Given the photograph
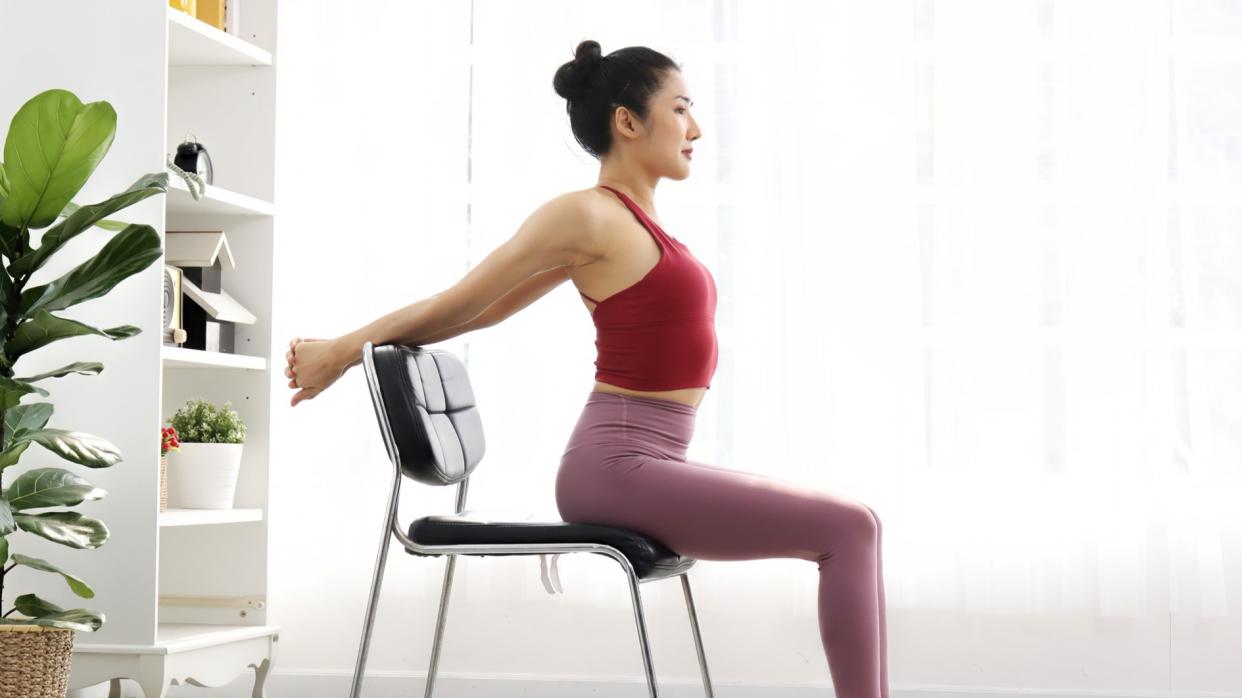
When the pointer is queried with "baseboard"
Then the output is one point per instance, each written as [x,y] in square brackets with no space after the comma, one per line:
[297,684]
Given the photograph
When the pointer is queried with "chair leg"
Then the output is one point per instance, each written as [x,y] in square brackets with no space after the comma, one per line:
[698,638]
[637,599]
[435,645]
[368,624]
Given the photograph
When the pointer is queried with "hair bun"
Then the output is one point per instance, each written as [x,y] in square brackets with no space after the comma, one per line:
[588,53]
[573,78]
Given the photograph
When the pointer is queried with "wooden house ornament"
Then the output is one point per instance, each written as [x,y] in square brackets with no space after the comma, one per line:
[211,314]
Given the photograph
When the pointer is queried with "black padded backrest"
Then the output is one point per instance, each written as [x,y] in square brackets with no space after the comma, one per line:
[431,411]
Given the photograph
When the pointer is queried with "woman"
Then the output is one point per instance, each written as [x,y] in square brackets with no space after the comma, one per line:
[653,305]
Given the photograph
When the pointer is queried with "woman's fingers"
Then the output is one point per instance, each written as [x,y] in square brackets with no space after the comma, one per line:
[291,372]
[304,394]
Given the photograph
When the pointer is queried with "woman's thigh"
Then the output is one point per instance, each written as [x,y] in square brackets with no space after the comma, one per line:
[712,513]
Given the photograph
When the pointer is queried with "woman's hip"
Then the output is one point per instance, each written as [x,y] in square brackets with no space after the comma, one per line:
[613,425]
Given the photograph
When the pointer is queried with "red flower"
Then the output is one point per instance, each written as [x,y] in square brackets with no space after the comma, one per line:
[168,440]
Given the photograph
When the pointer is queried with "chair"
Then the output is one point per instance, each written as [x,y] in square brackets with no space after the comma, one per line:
[434,435]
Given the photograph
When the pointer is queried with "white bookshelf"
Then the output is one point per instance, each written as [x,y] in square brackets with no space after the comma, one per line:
[177,653]
[191,42]
[216,201]
[203,517]
[180,357]
[174,638]
[208,599]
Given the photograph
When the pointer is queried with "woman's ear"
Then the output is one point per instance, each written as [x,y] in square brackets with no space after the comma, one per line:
[627,124]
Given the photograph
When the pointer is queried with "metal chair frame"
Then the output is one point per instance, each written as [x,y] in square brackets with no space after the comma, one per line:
[392,527]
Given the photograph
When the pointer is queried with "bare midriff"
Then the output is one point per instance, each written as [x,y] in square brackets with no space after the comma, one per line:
[690,396]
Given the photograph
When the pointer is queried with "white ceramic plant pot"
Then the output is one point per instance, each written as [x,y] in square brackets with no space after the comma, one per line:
[203,476]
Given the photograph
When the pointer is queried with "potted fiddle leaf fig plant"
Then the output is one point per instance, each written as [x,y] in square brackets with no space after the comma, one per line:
[53,145]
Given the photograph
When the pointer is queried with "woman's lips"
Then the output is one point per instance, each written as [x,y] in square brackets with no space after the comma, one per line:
[687,154]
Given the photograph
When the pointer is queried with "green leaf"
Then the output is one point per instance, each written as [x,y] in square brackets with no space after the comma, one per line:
[8,238]
[8,234]
[78,586]
[114,226]
[126,254]
[11,391]
[4,551]
[83,449]
[50,487]
[12,454]
[83,367]
[54,144]
[28,417]
[45,328]
[32,605]
[7,294]
[69,528]
[84,217]
[7,524]
[81,619]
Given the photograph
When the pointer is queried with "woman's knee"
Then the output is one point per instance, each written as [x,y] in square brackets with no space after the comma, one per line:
[857,521]
[879,527]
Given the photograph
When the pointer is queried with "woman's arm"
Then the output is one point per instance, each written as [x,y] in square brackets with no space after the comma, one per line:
[521,296]
[478,323]
[393,328]
[549,239]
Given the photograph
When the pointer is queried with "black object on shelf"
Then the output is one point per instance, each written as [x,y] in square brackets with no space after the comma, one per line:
[192,157]
[202,331]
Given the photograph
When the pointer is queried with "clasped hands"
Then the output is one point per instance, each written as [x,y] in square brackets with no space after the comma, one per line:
[312,365]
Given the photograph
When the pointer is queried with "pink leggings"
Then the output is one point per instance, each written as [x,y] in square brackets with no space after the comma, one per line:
[625,465]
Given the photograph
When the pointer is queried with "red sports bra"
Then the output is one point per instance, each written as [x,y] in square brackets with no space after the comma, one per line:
[660,333]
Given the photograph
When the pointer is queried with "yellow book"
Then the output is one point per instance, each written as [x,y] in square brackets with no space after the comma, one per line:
[212,12]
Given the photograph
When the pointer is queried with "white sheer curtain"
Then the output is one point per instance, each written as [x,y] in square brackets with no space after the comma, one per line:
[979,267]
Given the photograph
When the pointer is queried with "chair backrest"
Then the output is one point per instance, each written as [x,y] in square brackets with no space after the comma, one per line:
[427,412]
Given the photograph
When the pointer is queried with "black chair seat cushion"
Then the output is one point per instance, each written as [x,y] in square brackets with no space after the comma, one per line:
[650,558]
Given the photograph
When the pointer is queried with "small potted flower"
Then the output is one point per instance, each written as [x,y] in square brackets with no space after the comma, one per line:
[168,442]
[203,474]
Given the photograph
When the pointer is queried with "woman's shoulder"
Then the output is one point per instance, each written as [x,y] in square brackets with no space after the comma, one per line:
[593,218]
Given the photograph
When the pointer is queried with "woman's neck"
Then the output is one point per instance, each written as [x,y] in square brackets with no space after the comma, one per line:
[644,196]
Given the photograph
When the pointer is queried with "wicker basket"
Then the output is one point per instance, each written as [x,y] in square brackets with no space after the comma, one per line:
[34,661]
[163,482]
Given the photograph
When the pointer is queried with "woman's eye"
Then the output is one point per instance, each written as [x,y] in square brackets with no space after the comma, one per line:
[680,109]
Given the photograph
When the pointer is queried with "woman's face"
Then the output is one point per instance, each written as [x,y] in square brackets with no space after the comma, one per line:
[671,129]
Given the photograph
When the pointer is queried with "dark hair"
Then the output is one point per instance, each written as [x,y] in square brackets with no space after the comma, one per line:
[595,86]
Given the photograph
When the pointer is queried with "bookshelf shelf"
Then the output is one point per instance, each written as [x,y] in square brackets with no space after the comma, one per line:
[180,357]
[194,42]
[216,201]
[201,517]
